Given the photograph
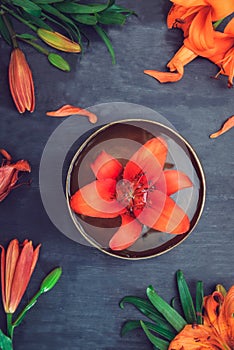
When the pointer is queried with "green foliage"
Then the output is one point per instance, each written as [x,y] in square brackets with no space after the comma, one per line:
[73,16]
[165,322]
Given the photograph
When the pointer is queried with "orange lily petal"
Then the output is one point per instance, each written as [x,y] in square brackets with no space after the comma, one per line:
[149,159]
[211,306]
[105,166]
[127,234]
[97,200]
[182,57]
[226,126]
[3,273]
[220,8]
[21,276]
[163,214]
[196,337]
[12,256]
[67,110]
[165,77]
[176,180]
[22,165]
[201,32]
[226,319]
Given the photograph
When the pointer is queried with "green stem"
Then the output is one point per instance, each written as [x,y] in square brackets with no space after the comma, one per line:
[27,307]
[36,46]
[31,26]
[10,327]
[10,30]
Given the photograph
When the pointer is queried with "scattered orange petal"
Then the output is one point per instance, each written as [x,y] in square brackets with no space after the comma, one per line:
[226,126]
[68,110]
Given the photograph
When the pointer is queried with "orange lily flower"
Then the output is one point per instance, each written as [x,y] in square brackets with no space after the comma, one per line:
[21,82]
[17,266]
[217,332]
[196,18]
[139,193]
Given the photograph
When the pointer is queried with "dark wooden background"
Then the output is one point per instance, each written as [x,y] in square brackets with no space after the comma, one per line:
[82,311]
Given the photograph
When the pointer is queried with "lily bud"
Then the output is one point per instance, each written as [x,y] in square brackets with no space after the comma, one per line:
[50,280]
[58,41]
[58,61]
[21,82]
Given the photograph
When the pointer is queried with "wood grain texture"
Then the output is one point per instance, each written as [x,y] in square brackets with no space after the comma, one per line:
[82,311]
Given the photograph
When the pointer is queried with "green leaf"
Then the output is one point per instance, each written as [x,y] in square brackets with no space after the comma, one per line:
[111,17]
[27,36]
[4,31]
[103,35]
[73,8]
[120,9]
[36,21]
[85,19]
[158,342]
[28,6]
[185,298]
[46,1]
[199,301]
[147,309]
[50,280]
[133,324]
[58,62]
[170,314]
[5,342]
[71,27]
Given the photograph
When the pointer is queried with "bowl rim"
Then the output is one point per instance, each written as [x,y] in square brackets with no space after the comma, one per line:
[201,178]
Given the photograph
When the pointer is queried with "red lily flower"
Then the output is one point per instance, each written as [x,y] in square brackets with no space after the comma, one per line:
[139,193]
[17,266]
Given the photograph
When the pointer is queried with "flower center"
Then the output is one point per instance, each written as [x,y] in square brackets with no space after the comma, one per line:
[133,194]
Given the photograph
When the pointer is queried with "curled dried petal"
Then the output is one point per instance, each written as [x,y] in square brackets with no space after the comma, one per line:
[226,126]
[68,110]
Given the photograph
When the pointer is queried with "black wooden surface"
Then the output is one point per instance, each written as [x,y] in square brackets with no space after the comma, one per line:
[82,311]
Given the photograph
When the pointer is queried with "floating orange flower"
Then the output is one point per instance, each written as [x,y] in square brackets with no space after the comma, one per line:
[21,82]
[217,332]
[138,192]
[17,266]
[9,173]
[196,18]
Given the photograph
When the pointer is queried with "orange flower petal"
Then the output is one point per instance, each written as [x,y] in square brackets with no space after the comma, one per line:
[105,166]
[220,8]
[97,200]
[127,234]
[201,32]
[163,214]
[3,273]
[226,126]
[22,165]
[12,256]
[149,159]
[165,77]
[21,276]
[67,110]
[196,337]
[175,181]
[182,57]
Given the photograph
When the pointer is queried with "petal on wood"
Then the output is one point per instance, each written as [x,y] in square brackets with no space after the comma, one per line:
[68,110]
[226,126]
